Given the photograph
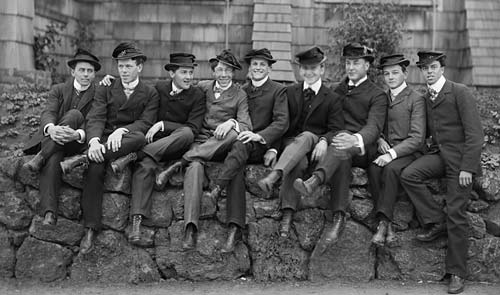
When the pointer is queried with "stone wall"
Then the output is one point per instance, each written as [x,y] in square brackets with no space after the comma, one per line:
[31,250]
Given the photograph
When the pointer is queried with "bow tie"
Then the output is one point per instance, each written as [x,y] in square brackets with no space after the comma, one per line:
[218,89]
[308,93]
[175,92]
[350,87]
[255,88]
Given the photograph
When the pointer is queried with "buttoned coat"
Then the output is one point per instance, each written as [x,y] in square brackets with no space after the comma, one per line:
[232,104]
[324,118]
[268,109]
[184,109]
[454,124]
[405,125]
[112,110]
[365,109]
[59,103]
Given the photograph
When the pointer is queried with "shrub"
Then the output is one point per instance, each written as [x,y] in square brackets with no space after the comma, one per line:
[376,25]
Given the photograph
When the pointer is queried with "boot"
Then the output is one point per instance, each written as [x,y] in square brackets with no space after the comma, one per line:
[267,183]
[456,285]
[119,164]
[215,192]
[286,222]
[307,187]
[49,219]
[135,233]
[163,177]
[437,230]
[379,237]
[87,243]
[233,236]
[391,239]
[331,235]
[35,164]
[74,161]
[189,241]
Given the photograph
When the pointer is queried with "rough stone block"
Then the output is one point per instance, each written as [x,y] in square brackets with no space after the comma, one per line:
[65,232]
[308,226]
[352,257]
[115,209]
[14,211]
[42,260]
[113,260]
[7,254]
[161,209]
[483,264]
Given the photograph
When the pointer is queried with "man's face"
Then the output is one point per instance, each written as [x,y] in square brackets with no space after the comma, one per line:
[356,68]
[128,70]
[432,72]
[223,74]
[182,77]
[259,69]
[84,73]
[394,76]
[311,73]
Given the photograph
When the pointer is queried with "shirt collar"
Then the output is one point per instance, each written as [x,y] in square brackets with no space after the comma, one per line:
[176,89]
[79,86]
[398,89]
[438,85]
[350,83]
[132,84]
[259,83]
[315,86]
[223,88]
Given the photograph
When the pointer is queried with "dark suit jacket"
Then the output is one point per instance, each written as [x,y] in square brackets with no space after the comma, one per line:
[112,110]
[232,104]
[405,126]
[324,117]
[185,109]
[268,108]
[59,103]
[365,108]
[455,127]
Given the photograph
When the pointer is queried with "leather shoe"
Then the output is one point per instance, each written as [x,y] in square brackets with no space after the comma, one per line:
[331,235]
[379,237]
[437,230]
[215,192]
[286,222]
[233,236]
[135,234]
[35,164]
[49,218]
[74,161]
[266,184]
[163,177]
[391,239]
[87,243]
[119,164]
[307,187]
[189,241]
[456,285]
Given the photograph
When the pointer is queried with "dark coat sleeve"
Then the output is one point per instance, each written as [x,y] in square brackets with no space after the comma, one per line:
[242,115]
[335,116]
[149,114]
[376,119]
[98,113]
[280,121]
[416,134]
[54,103]
[195,118]
[472,127]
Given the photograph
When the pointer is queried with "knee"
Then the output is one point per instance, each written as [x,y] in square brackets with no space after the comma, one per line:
[307,136]
[73,117]
[195,165]
[186,134]
[407,175]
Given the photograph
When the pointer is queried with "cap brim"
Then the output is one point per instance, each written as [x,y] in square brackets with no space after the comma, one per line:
[175,65]
[296,61]
[404,63]
[369,58]
[72,63]
[428,61]
[248,59]
[131,56]
[224,62]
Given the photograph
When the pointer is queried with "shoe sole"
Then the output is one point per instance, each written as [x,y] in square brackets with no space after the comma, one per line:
[433,238]
[299,186]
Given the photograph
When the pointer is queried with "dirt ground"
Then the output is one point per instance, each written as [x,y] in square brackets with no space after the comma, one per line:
[242,287]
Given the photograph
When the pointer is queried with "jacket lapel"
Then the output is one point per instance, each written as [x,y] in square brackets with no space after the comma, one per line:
[87,97]
[442,94]
[67,96]
[134,98]
[400,97]
[317,101]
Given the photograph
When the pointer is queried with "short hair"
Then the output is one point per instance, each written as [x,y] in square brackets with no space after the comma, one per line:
[173,68]
[442,60]
[213,64]
[139,60]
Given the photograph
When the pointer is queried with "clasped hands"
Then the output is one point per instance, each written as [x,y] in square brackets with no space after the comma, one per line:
[62,134]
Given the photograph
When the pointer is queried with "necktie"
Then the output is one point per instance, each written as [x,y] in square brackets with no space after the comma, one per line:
[174,92]
[432,93]
[308,94]
[217,92]
[255,88]
[350,87]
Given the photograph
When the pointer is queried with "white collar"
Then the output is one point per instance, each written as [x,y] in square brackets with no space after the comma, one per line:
[398,89]
[79,86]
[315,86]
[131,85]
[350,83]
[438,85]
[260,83]
[176,89]
[223,88]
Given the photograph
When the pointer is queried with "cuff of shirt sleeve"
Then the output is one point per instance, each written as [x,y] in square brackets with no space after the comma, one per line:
[94,139]
[162,129]
[45,133]
[82,136]
[361,143]
[273,150]
[125,130]
[236,125]
[393,154]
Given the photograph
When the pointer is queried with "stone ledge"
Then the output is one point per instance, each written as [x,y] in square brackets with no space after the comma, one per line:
[30,250]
